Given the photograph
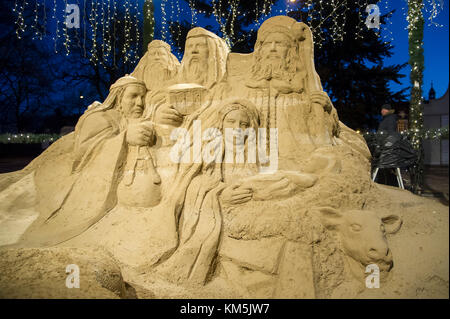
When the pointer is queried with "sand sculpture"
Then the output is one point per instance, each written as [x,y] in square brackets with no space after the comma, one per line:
[228,175]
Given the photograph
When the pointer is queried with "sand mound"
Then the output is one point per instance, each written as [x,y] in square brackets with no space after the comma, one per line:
[41,273]
[420,251]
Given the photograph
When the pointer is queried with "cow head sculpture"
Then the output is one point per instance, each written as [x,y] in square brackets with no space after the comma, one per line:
[362,235]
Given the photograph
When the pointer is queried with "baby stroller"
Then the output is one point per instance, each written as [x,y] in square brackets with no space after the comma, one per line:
[391,152]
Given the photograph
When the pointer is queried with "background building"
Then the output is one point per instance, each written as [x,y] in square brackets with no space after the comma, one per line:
[435,115]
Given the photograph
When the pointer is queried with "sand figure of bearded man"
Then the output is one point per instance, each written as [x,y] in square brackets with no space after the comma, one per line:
[204,59]
[202,68]
[157,66]
[281,80]
[293,100]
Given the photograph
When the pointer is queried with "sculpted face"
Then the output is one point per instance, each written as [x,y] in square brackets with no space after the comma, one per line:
[158,55]
[197,49]
[363,235]
[158,68]
[275,47]
[132,102]
[274,58]
[197,53]
[236,119]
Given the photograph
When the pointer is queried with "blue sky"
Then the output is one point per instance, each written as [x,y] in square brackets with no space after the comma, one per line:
[435,43]
[435,48]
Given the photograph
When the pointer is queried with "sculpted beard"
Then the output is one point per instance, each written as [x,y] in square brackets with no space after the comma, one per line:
[271,68]
[155,75]
[195,71]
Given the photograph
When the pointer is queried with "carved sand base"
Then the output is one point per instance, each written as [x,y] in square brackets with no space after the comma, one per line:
[420,251]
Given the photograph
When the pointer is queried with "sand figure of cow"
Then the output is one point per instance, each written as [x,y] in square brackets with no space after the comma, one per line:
[362,238]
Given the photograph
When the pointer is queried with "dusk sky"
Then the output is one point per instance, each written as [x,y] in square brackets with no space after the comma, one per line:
[435,48]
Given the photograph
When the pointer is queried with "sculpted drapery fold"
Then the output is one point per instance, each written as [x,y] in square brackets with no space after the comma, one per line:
[96,165]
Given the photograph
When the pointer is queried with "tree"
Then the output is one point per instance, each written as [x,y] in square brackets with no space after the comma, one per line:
[236,28]
[416,60]
[149,24]
[25,74]
[38,79]
[353,72]
[111,48]
[352,69]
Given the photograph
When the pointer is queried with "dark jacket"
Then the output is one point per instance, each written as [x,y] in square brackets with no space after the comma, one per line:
[389,123]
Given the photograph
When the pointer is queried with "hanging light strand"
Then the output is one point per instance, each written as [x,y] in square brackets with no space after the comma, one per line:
[433,8]
[56,36]
[163,20]
[66,35]
[137,14]
[37,33]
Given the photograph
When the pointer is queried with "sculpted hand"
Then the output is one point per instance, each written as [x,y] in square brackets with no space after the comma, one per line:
[301,180]
[321,98]
[276,189]
[235,195]
[166,114]
[140,134]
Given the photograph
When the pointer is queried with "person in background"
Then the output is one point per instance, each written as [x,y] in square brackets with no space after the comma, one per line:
[391,152]
[389,121]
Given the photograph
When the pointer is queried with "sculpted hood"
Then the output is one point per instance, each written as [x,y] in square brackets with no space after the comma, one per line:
[218,52]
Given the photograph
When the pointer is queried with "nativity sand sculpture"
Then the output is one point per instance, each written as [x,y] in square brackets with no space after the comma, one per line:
[228,175]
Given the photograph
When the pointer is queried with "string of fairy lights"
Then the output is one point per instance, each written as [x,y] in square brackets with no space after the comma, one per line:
[194,19]
[416,60]
[100,16]
[28,138]
[436,133]
[432,9]
[99,22]
[425,134]
[387,26]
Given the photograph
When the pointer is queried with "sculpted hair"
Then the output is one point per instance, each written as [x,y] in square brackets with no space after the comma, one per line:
[216,114]
[172,67]
[240,104]
[115,95]
[218,53]
[293,59]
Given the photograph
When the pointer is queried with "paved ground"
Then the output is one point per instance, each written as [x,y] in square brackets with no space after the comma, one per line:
[436,177]
[436,181]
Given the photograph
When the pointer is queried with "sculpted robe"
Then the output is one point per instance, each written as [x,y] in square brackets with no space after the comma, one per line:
[75,192]
[282,105]
[303,127]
